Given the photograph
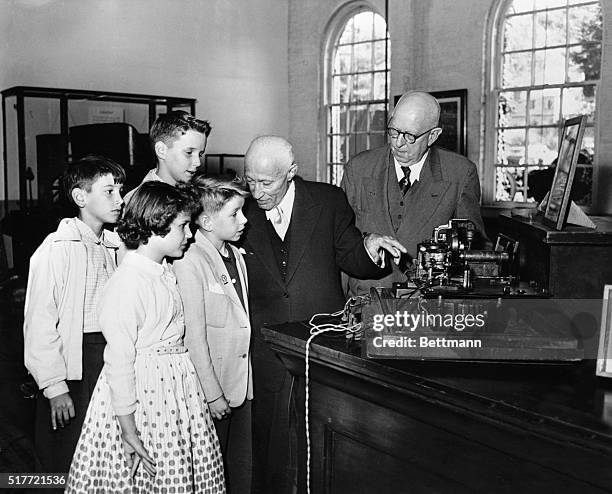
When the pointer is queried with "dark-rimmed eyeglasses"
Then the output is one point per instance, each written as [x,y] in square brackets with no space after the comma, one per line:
[408,137]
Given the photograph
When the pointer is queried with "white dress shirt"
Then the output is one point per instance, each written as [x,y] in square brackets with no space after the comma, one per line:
[415,170]
[280,216]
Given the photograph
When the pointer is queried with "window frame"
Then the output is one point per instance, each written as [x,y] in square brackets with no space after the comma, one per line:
[492,87]
[333,32]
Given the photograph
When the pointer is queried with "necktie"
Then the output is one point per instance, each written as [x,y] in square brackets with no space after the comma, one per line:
[404,183]
[279,215]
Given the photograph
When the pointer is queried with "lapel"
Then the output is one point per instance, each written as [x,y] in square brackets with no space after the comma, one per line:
[376,186]
[220,273]
[305,214]
[259,241]
[430,192]
[244,279]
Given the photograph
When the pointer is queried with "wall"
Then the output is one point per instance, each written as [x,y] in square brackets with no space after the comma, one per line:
[229,54]
[436,45]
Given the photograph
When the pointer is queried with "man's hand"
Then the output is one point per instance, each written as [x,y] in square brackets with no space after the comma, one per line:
[220,408]
[376,245]
[62,410]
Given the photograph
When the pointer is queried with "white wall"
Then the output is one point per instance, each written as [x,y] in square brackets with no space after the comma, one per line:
[229,54]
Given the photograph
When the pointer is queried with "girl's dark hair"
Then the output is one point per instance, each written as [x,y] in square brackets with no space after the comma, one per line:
[151,210]
[83,173]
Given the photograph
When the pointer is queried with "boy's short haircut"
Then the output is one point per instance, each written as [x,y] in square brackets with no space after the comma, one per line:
[214,192]
[83,173]
[151,211]
[169,126]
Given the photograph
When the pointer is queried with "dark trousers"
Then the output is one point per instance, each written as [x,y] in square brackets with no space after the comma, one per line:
[236,446]
[55,448]
[274,443]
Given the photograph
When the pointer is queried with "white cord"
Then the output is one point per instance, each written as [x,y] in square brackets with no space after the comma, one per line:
[316,330]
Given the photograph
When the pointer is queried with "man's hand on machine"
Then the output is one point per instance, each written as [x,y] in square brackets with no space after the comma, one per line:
[376,245]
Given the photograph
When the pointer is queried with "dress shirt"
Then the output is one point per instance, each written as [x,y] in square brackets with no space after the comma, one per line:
[284,209]
[415,170]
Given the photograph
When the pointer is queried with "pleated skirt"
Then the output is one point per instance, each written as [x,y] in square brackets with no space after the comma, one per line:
[175,427]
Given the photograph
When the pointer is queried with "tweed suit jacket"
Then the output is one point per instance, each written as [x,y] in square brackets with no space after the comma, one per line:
[448,188]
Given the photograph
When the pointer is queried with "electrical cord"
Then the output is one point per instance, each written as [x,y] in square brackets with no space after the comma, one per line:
[316,330]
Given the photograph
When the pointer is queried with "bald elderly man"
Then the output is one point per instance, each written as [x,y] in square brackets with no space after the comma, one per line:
[300,234]
[409,187]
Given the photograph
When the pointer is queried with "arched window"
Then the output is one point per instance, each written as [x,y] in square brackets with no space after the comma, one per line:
[357,87]
[548,61]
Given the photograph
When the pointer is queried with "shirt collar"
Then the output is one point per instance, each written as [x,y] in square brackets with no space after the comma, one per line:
[133,258]
[286,204]
[415,170]
[88,235]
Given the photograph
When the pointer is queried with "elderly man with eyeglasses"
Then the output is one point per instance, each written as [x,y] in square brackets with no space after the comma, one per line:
[408,187]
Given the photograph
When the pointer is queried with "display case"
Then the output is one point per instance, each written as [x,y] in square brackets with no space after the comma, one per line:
[43,129]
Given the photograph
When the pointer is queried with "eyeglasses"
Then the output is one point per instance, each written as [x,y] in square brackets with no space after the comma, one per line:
[408,137]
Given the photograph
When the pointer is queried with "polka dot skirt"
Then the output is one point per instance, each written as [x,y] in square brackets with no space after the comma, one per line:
[175,427]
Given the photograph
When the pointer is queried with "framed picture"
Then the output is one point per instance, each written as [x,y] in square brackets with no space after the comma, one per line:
[453,119]
[604,355]
[557,207]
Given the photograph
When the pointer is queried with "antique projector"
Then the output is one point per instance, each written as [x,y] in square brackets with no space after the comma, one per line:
[447,262]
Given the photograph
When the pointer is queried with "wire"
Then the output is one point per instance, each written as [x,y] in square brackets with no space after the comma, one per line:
[316,330]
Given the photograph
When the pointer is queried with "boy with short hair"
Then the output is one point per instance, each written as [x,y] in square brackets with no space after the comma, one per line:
[63,345]
[179,140]
[212,280]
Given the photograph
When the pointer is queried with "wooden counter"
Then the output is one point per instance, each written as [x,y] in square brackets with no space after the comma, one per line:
[575,262]
[449,427]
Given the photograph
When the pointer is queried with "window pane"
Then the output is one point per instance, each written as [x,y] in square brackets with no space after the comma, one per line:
[358,119]
[508,184]
[379,55]
[377,117]
[542,149]
[512,108]
[379,86]
[336,172]
[544,106]
[338,120]
[584,63]
[347,34]
[342,89]
[516,70]
[380,28]
[550,4]
[520,6]
[584,23]
[363,57]
[550,66]
[363,87]
[337,149]
[518,32]
[588,143]
[342,60]
[550,28]
[579,101]
[364,24]
[511,146]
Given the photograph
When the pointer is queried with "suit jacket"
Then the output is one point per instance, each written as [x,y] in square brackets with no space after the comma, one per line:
[448,188]
[217,327]
[323,240]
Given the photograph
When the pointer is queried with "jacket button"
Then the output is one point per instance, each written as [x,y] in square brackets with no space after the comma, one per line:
[244,355]
[286,295]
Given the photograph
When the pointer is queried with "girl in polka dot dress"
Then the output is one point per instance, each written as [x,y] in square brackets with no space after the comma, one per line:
[148,428]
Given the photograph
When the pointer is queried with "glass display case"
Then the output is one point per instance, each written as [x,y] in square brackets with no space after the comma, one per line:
[43,129]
